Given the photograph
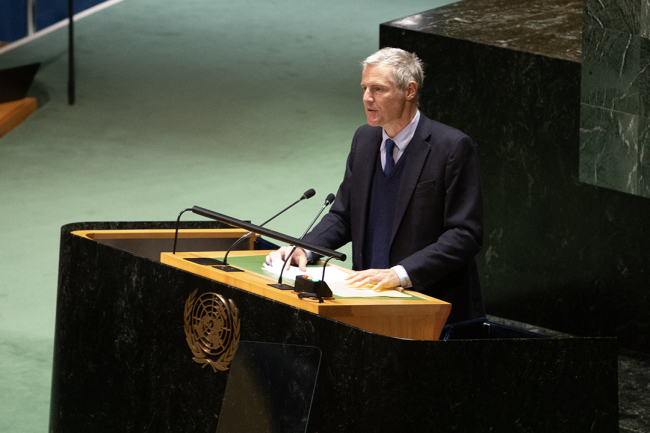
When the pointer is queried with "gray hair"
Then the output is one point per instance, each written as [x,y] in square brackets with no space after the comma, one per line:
[406,66]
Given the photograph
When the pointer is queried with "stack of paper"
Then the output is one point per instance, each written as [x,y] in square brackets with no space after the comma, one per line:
[335,279]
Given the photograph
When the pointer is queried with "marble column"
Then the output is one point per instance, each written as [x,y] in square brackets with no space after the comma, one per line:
[615,97]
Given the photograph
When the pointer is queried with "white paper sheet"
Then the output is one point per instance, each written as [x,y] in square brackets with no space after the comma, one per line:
[335,279]
[346,291]
[332,274]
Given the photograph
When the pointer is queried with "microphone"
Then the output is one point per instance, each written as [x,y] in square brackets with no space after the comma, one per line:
[328,201]
[225,267]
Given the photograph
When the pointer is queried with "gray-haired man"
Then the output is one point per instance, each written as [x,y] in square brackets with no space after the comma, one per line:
[410,201]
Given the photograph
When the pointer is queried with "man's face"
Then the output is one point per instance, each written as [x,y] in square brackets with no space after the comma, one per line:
[383,101]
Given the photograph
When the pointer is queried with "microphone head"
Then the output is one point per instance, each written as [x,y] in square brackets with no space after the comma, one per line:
[330,199]
[308,194]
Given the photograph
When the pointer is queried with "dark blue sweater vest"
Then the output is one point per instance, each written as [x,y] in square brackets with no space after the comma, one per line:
[381,213]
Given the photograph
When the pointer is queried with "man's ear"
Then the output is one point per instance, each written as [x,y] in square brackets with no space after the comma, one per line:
[411,91]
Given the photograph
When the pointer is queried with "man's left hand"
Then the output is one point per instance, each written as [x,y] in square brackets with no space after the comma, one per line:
[383,278]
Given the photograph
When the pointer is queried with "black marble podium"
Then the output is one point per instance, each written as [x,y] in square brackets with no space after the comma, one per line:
[122,363]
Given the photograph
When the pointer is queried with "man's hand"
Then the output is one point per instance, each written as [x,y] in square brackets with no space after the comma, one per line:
[299,257]
[383,278]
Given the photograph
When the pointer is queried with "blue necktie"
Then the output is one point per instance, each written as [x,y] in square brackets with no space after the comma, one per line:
[390,163]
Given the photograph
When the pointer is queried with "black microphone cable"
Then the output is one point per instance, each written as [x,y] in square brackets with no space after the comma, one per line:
[176,233]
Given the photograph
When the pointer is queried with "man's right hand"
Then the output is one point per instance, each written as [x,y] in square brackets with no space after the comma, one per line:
[299,257]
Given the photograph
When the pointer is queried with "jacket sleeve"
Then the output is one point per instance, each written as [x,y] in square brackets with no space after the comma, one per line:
[461,235]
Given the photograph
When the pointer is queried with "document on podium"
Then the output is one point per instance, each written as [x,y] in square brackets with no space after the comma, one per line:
[335,279]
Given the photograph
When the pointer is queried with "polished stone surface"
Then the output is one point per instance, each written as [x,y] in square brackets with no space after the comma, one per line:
[122,363]
[557,252]
[270,388]
[634,392]
[615,71]
[615,101]
[548,27]
[626,16]
[633,380]
[612,146]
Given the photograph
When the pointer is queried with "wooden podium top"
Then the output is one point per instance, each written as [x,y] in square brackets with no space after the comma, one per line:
[419,318]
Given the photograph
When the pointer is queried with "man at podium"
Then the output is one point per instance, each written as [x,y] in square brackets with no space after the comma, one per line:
[411,200]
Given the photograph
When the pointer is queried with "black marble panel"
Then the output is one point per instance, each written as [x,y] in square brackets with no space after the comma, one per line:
[557,252]
[615,77]
[627,16]
[609,149]
[121,362]
[644,157]
[615,71]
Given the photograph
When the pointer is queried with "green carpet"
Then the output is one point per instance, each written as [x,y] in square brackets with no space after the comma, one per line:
[238,107]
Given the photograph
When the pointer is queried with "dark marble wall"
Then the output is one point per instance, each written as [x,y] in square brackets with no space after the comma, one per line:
[615,103]
[558,253]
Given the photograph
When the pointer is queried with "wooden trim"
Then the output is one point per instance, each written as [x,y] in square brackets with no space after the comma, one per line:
[14,113]
[394,317]
[167,234]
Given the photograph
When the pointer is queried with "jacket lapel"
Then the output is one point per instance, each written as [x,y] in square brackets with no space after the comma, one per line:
[417,151]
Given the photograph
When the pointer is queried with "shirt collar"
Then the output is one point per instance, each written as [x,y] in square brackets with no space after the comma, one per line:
[405,135]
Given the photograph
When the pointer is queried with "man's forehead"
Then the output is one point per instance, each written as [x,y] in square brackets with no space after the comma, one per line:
[379,73]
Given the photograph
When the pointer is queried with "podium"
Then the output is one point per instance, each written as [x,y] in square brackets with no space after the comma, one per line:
[124,359]
[420,317]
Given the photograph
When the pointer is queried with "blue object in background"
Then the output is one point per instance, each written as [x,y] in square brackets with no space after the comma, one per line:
[50,12]
[13,20]
[13,15]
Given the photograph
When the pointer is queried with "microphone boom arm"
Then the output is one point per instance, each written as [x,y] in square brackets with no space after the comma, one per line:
[306,195]
[266,232]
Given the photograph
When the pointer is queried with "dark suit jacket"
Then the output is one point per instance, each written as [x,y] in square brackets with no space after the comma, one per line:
[438,222]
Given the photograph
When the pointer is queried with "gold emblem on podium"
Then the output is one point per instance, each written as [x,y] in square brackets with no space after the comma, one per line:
[212,329]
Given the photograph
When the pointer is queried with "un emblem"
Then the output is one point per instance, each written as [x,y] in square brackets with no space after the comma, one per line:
[212,329]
